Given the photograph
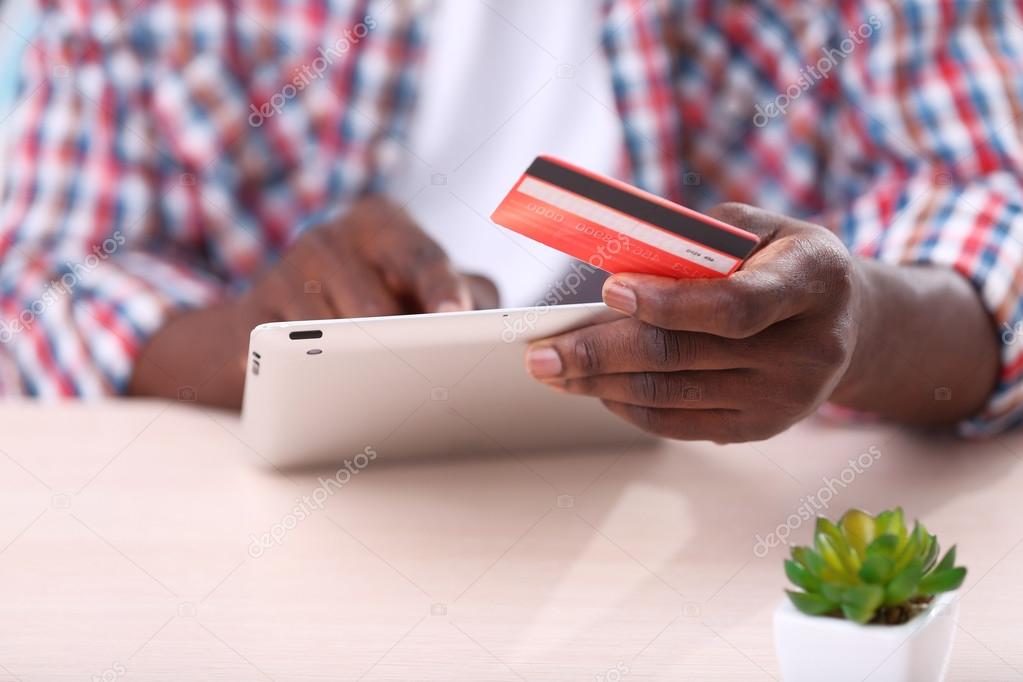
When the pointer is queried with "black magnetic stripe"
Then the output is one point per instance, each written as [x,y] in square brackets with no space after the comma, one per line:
[641,208]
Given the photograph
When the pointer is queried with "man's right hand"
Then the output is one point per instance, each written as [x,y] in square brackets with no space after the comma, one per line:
[372,261]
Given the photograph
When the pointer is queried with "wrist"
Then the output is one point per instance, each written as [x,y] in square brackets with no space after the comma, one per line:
[860,331]
[926,348]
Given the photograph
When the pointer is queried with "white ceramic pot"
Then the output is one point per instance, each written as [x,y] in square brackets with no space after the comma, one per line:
[816,648]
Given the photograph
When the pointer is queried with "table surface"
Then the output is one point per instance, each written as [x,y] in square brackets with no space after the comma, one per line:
[130,549]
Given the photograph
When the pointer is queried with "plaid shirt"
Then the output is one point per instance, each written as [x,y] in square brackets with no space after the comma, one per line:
[163,154]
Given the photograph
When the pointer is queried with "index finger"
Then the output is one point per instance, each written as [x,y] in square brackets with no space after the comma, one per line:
[628,345]
[738,307]
[414,264]
[797,263]
[429,275]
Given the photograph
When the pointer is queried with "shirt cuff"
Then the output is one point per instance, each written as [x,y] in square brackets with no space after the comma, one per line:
[977,231]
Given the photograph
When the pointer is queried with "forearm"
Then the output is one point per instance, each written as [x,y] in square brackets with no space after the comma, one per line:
[927,351]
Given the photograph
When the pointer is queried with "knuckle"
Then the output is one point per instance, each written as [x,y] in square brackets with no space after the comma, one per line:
[426,253]
[650,387]
[690,347]
[827,347]
[369,203]
[306,248]
[372,210]
[585,354]
[433,288]
[434,278]
[665,349]
[833,266]
[733,213]
[830,350]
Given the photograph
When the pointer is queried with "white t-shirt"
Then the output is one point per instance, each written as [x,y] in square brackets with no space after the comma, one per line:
[504,81]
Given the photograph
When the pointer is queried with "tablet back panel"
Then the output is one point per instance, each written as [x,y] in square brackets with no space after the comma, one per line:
[447,383]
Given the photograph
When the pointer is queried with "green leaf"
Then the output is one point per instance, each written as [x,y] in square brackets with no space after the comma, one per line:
[852,560]
[801,577]
[829,536]
[930,553]
[892,522]
[863,595]
[910,550]
[899,526]
[826,548]
[876,569]
[904,585]
[861,603]
[882,523]
[809,559]
[948,561]
[858,527]
[833,592]
[884,545]
[811,604]
[858,614]
[942,581]
[826,527]
[835,578]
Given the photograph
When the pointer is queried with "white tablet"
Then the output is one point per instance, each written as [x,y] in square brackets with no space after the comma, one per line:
[321,391]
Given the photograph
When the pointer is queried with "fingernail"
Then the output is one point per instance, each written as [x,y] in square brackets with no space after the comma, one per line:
[543,362]
[619,296]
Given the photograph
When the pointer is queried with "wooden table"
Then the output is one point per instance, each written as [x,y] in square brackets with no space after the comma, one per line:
[127,551]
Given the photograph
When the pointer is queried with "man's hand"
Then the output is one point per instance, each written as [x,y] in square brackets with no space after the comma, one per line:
[743,358]
[373,261]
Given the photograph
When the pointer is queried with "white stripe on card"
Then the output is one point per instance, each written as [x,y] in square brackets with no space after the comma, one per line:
[628,226]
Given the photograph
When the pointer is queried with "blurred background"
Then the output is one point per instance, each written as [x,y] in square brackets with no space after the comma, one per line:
[17,23]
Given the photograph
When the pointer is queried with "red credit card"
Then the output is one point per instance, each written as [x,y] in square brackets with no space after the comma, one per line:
[617,227]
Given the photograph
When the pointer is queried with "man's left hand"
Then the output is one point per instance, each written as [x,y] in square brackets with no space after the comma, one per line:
[733,359]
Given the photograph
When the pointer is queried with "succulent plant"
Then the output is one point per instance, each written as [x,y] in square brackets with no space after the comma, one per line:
[870,569]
